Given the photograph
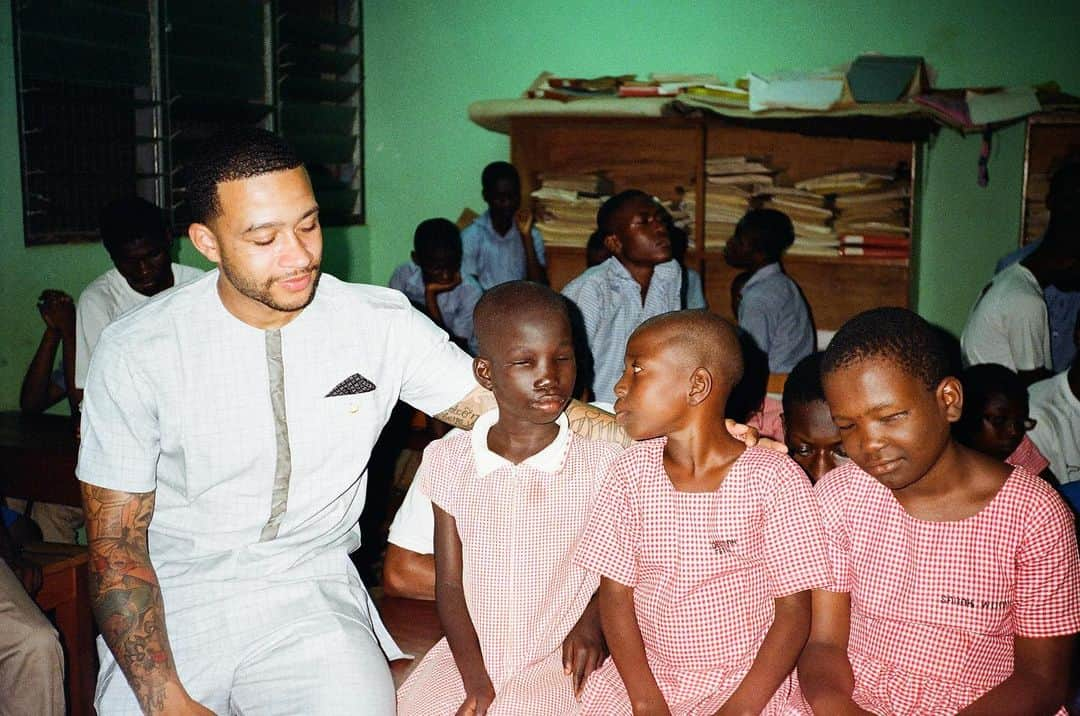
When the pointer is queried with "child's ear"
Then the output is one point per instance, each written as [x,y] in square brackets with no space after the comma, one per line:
[611,241]
[481,368]
[701,385]
[950,395]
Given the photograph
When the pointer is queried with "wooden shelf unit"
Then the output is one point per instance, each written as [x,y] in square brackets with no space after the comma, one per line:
[666,156]
[1050,138]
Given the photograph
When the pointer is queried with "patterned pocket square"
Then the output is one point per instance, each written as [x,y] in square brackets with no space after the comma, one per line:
[353,385]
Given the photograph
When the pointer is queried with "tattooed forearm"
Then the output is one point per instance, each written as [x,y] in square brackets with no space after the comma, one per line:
[124,592]
[595,424]
[465,412]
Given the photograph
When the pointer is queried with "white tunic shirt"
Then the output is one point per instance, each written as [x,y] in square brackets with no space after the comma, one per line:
[1008,323]
[253,485]
[1057,426]
[102,301]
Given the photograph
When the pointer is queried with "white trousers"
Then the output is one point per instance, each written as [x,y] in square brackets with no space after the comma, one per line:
[296,648]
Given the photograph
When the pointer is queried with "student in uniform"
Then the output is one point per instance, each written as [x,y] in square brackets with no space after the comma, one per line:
[707,551]
[433,281]
[521,623]
[640,280]
[502,244]
[1009,323]
[811,436]
[137,239]
[771,306]
[995,418]
[954,578]
[1055,408]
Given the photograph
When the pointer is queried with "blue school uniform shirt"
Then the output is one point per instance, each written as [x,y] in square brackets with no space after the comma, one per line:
[1062,308]
[773,311]
[455,305]
[493,259]
[610,302]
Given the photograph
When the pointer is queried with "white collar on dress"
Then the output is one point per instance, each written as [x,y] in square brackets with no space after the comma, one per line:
[550,459]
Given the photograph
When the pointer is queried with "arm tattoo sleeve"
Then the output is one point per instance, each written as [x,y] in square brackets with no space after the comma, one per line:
[124,591]
[595,424]
[465,412]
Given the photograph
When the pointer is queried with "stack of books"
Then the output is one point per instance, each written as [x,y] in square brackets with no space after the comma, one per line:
[730,184]
[810,215]
[1036,215]
[870,212]
[565,207]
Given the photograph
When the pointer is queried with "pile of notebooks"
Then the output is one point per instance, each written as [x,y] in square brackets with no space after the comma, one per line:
[869,216]
[565,207]
[731,182]
[1036,215]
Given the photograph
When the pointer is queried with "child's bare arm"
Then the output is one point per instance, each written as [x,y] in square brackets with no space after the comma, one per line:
[825,674]
[584,648]
[775,657]
[627,648]
[1039,682]
[454,615]
[534,270]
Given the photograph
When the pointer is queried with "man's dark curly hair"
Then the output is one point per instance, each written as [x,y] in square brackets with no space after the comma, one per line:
[897,335]
[238,153]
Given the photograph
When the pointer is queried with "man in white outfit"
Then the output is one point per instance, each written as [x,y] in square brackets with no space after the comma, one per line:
[226,429]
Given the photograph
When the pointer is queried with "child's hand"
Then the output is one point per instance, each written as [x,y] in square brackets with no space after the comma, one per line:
[58,311]
[750,436]
[478,698]
[523,220]
[584,649]
[437,288]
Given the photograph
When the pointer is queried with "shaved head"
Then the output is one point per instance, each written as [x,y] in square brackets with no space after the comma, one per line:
[701,340]
[508,303]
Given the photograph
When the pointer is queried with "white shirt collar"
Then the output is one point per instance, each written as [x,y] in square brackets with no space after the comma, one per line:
[550,459]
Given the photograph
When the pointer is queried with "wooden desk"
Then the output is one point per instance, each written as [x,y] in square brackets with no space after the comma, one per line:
[38,455]
[415,626]
[64,593]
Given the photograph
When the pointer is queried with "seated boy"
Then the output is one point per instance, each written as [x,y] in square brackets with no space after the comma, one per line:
[1009,323]
[502,244]
[1055,408]
[434,283]
[43,386]
[510,499]
[640,280]
[771,306]
[134,233]
[811,436]
[706,549]
[954,579]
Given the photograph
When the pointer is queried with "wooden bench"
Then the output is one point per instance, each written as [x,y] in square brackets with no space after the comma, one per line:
[64,594]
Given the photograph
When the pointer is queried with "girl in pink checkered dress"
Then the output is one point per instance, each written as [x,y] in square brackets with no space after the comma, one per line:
[510,498]
[707,550]
[954,578]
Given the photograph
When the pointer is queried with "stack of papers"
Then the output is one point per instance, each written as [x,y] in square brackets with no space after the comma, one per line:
[565,207]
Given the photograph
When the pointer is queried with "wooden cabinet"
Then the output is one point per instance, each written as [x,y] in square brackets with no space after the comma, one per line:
[666,156]
[1050,138]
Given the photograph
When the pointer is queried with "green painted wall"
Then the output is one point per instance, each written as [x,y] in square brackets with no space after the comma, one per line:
[425,62]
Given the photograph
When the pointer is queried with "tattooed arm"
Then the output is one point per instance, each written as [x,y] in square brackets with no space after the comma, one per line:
[126,599]
[585,420]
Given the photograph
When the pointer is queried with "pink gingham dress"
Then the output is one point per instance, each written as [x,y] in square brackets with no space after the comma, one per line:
[518,526]
[705,568]
[935,605]
[1027,456]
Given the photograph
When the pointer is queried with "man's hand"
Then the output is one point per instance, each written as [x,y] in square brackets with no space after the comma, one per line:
[178,703]
[478,698]
[523,220]
[58,311]
[584,648]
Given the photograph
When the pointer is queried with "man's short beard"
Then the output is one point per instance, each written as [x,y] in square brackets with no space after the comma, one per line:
[262,293]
